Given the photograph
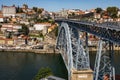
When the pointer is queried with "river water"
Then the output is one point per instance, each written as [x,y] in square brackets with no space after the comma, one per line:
[24,66]
[116,60]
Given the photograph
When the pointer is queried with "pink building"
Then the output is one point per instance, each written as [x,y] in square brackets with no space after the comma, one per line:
[10,27]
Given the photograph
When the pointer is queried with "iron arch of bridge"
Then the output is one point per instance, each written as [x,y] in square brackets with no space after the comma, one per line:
[104,61]
[68,43]
[71,49]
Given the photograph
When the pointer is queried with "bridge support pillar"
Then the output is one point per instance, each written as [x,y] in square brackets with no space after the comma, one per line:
[82,75]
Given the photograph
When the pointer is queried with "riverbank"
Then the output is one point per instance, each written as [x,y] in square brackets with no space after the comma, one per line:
[47,51]
[42,51]
[25,65]
[95,48]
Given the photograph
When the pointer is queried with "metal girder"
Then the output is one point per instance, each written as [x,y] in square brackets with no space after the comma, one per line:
[101,30]
[104,57]
[80,57]
[104,61]
[71,49]
[64,45]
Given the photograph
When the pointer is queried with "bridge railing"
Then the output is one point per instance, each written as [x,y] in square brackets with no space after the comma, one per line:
[108,25]
[113,25]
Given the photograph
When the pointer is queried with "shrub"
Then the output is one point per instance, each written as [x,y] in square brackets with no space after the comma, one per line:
[42,73]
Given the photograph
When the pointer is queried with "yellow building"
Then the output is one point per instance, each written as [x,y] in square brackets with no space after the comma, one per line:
[51,28]
[4,41]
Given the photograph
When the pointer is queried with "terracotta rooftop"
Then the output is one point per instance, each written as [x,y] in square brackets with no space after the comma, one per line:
[44,24]
[20,13]
[1,16]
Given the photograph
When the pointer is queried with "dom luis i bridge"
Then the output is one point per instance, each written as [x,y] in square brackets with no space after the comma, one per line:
[75,51]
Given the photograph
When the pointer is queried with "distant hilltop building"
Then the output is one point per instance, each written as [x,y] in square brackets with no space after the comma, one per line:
[119,13]
[8,11]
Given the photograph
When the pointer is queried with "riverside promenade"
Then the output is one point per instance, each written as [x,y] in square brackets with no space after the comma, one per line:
[116,48]
[47,51]
[42,51]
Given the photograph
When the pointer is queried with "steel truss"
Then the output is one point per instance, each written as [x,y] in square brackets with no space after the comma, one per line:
[72,51]
[74,54]
[104,61]
[108,32]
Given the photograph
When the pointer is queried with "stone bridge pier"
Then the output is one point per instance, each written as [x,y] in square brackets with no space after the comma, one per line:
[82,75]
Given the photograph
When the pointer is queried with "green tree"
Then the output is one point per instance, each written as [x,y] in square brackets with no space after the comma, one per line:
[0,25]
[112,12]
[19,10]
[56,32]
[39,11]
[42,73]
[40,35]
[35,9]
[98,10]
[8,35]
[25,5]
[24,30]
[73,14]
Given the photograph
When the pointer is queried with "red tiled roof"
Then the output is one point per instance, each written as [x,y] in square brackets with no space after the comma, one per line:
[20,13]
[105,17]
[1,17]
[48,24]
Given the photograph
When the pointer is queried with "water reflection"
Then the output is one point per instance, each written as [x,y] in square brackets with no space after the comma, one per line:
[24,66]
[116,60]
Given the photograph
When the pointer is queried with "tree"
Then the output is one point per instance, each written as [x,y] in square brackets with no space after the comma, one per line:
[19,10]
[9,35]
[41,35]
[35,9]
[24,30]
[112,12]
[0,25]
[56,32]
[42,73]
[119,16]
[39,11]
[98,10]
[73,14]
[25,6]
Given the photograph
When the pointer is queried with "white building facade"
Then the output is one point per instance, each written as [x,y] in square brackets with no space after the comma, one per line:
[1,19]
[42,27]
[10,27]
[8,11]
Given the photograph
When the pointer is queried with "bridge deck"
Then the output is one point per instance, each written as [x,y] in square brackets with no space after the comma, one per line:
[108,30]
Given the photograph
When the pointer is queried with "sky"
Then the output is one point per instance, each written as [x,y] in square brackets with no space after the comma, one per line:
[56,5]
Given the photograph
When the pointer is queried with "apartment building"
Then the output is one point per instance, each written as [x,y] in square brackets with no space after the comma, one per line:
[8,11]
[10,27]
